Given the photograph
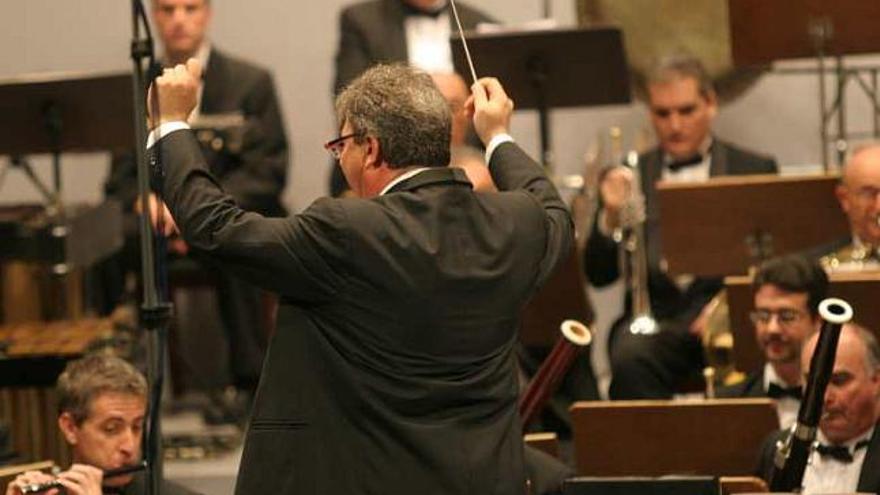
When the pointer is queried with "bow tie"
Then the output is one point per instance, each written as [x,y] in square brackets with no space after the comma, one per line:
[687,162]
[839,452]
[774,391]
[409,10]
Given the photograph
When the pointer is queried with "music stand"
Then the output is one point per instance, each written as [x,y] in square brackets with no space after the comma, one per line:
[671,485]
[544,69]
[727,224]
[763,32]
[563,297]
[54,113]
[718,437]
[858,288]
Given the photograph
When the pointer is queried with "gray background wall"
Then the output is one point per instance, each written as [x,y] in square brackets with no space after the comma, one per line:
[297,39]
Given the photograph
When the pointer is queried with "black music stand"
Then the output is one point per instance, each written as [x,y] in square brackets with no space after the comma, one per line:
[727,224]
[551,68]
[62,112]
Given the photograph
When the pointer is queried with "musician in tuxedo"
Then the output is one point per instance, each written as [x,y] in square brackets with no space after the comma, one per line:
[392,369]
[859,196]
[847,456]
[386,31]
[787,295]
[102,403]
[254,175]
[415,32]
[682,106]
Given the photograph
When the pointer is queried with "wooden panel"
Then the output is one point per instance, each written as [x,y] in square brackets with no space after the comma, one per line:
[655,438]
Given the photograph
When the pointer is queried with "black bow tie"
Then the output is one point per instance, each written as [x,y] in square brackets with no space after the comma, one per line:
[677,165]
[839,452]
[774,391]
[409,10]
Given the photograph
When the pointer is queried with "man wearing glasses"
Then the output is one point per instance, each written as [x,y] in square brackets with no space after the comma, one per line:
[393,366]
[787,295]
[859,197]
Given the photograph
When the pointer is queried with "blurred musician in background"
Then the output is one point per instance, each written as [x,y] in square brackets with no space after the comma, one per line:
[102,401]
[383,31]
[254,174]
[682,106]
[859,196]
[787,295]
[847,456]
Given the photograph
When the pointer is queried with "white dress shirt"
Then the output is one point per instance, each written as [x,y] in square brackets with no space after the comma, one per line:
[427,42]
[829,475]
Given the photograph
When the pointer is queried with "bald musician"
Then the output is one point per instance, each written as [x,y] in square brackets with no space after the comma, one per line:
[846,456]
[859,197]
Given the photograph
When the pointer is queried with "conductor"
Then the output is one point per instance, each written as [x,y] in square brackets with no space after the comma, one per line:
[392,370]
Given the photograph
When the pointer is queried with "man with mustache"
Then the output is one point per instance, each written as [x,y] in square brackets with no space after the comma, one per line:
[787,295]
[846,458]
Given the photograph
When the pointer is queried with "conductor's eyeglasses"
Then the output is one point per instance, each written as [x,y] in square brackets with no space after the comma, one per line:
[335,146]
[783,316]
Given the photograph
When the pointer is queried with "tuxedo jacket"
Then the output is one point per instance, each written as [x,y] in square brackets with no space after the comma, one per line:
[392,367]
[257,175]
[372,32]
[667,300]
[752,386]
[869,479]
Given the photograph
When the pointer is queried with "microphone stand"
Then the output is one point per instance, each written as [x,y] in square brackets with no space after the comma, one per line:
[155,309]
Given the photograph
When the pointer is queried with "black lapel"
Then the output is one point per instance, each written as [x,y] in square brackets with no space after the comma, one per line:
[869,479]
[393,32]
[436,175]
[213,78]
[718,165]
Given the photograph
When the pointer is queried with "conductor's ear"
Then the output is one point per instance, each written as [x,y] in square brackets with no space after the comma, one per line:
[373,152]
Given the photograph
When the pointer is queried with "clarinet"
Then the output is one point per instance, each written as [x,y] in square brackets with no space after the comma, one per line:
[110,473]
[792,453]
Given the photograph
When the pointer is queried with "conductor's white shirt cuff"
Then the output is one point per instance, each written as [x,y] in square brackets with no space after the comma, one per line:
[164,130]
[496,141]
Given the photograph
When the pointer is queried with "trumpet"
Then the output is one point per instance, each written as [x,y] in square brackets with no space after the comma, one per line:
[634,253]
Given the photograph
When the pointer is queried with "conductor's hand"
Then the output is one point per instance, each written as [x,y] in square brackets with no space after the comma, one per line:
[82,479]
[492,108]
[615,188]
[174,94]
[158,211]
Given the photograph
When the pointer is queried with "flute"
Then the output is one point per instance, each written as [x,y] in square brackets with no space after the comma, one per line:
[110,473]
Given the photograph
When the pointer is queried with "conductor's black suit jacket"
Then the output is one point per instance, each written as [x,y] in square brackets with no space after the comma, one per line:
[373,32]
[392,368]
